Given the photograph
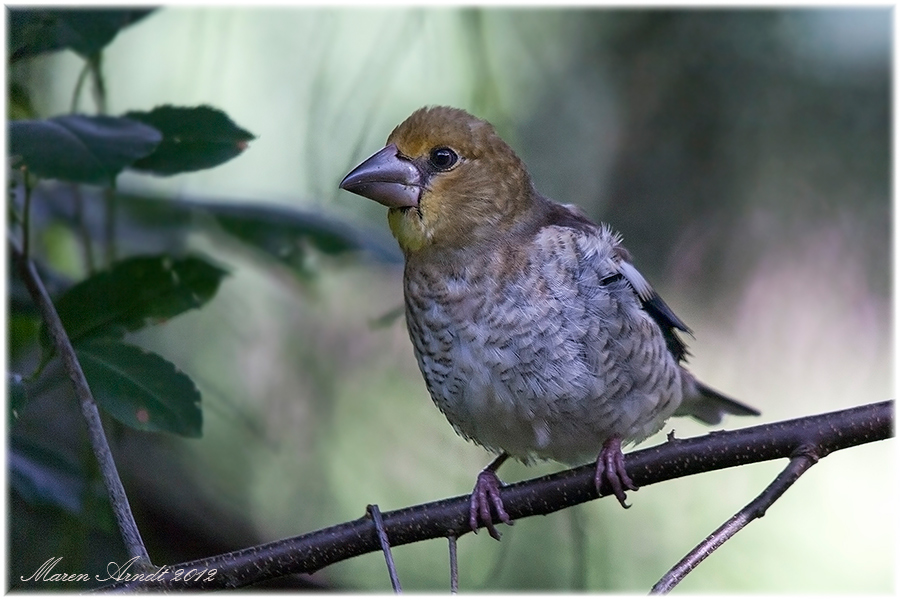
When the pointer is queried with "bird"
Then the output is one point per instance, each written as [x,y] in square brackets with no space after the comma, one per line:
[536,335]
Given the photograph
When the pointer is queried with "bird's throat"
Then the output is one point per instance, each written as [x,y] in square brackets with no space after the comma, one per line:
[408,228]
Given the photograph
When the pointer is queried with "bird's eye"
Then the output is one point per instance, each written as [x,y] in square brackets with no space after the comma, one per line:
[442,158]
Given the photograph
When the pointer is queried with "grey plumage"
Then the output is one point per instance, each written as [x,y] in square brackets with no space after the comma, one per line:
[536,335]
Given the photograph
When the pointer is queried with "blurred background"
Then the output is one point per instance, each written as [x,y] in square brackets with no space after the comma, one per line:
[743,154]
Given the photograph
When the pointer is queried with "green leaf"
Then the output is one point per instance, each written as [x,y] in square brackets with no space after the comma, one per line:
[141,389]
[86,31]
[19,104]
[284,232]
[22,333]
[193,139]
[133,293]
[80,148]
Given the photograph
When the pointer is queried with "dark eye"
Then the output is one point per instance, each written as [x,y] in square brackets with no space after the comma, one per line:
[442,158]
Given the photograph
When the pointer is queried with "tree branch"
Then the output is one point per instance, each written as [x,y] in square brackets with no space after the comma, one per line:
[676,458]
[119,501]
[803,459]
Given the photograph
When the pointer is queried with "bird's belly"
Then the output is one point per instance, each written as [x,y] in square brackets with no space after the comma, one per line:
[525,422]
[544,387]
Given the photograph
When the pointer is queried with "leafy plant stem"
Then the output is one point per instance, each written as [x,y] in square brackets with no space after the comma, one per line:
[83,233]
[109,224]
[99,444]
[26,215]
[95,63]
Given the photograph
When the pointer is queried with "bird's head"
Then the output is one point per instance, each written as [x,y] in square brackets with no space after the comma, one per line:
[448,180]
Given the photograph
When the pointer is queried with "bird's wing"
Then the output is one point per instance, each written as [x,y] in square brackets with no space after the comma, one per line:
[569,215]
[657,308]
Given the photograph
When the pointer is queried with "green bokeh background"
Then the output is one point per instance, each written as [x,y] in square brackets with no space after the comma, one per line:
[743,154]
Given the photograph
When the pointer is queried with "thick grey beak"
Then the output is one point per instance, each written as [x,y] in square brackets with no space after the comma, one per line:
[386,177]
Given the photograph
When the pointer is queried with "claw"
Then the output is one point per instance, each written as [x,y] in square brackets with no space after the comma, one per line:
[485,496]
[611,463]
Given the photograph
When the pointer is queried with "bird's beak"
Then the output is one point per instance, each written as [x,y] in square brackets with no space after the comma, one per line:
[386,177]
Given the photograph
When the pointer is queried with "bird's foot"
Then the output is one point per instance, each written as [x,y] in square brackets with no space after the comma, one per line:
[485,496]
[611,464]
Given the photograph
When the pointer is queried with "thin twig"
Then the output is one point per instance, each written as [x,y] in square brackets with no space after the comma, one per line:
[803,459]
[375,514]
[119,501]
[313,551]
[454,565]
[76,94]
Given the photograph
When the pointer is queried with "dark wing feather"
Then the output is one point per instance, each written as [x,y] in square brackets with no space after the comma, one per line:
[668,322]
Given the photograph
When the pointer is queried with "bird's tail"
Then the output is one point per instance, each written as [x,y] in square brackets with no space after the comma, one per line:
[707,405]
